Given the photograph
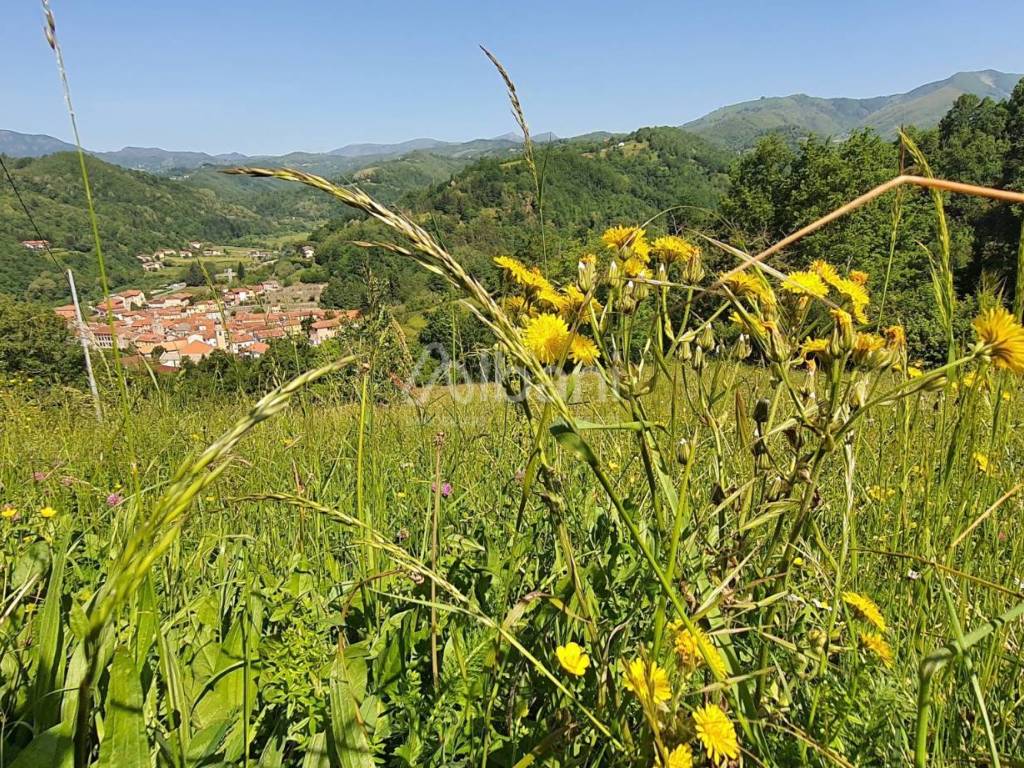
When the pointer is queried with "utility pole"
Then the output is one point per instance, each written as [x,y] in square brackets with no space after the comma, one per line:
[80,326]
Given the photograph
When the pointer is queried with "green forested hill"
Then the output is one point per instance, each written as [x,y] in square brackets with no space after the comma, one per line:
[492,207]
[137,213]
[740,125]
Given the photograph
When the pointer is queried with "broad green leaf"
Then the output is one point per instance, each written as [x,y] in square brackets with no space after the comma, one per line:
[49,647]
[350,744]
[316,754]
[125,744]
[53,748]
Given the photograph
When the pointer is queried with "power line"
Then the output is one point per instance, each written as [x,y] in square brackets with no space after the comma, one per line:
[28,214]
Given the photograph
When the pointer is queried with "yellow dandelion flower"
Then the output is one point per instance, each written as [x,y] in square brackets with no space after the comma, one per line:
[583,350]
[575,301]
[573,658]
[647,680]
[865,343]
[826,271]
[47,512]
[634,267]
[745,284]
[509,264]
[860,278]
[982,463]
[641,248]
[514,305]
[680,757]
[617,238]
[516,270]
[857,295]
[546,336]
[535,280]
[573,296]
[693,647]
[850,288]
[877,644]
[913,372]
[528,277]
[671,248]
[717,733]
[895,336]
[8,512]
[1002,337]
[866,608]
[552,298]
[805,284]
[1006,396]
[813,346]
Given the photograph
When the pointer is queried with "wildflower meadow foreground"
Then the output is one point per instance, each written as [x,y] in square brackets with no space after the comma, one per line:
[719,517]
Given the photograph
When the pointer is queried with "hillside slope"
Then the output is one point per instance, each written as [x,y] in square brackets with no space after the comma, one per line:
[137,213]
[491,207]
[739,125]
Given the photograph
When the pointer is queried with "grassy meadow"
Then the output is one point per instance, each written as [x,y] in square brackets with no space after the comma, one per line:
[298,588]
[758,532]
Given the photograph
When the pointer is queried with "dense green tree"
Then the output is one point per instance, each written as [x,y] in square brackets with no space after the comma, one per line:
[36,343]
[195,277]
[759,185]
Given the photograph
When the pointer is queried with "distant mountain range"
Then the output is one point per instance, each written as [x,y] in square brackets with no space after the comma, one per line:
[739,125]
[347,159]
[735,126]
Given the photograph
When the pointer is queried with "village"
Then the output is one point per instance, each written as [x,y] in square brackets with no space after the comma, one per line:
[169,328]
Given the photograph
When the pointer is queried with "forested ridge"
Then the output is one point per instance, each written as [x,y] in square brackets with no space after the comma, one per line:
[673,179]
[683,183]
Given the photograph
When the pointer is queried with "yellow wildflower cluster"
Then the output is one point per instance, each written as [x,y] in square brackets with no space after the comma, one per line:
[632,239]
[672,249]
[540,294]
[753,286]
[548,337]
[805,284]
[851,289]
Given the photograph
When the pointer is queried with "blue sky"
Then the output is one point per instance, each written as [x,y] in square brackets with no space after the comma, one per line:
[270,76]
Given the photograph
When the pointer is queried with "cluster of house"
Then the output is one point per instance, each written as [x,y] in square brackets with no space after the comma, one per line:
[154,262]
[173,327]
[36,245]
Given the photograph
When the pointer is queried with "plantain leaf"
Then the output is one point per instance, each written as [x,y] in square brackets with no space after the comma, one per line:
[316,755]
[125,744]
[53,748]
[350,743]
[50,646]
